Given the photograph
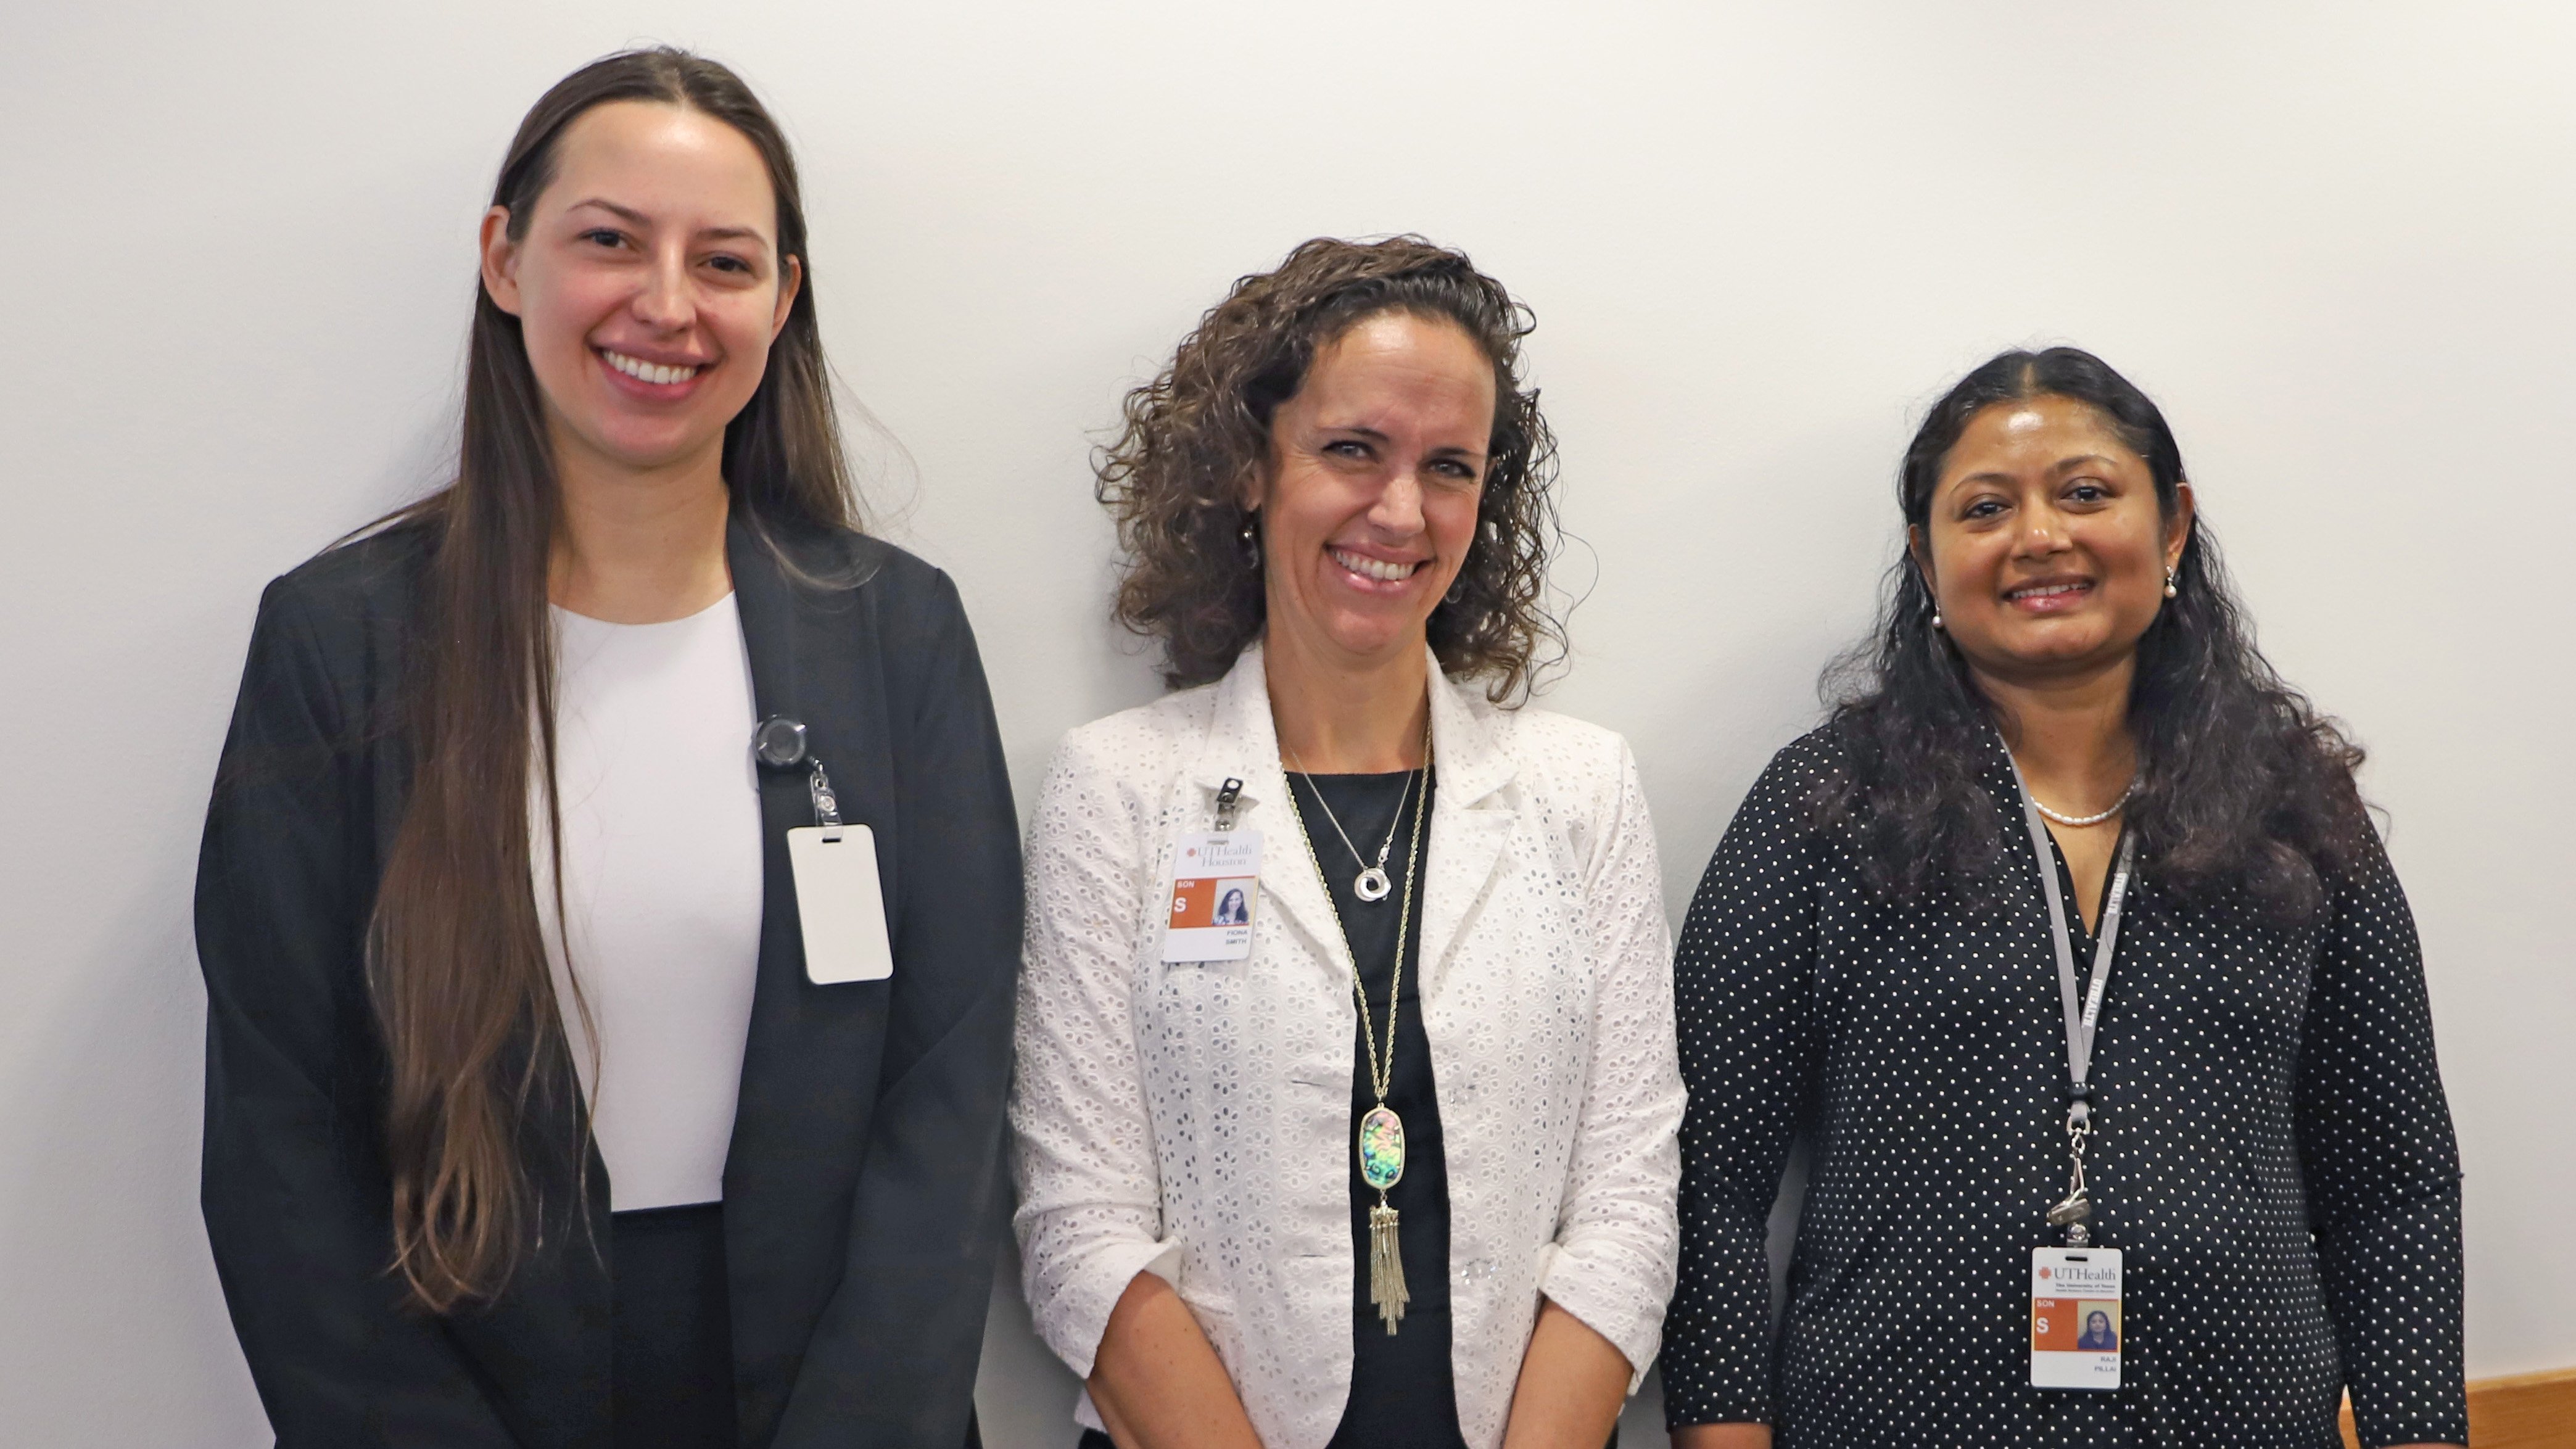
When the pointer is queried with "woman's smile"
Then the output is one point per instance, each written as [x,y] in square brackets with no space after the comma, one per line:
[1372,574]
[661,374]
[651,381]
[2043,597]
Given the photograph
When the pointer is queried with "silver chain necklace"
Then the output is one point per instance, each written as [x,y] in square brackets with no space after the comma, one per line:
[2079,821]
[1371,884]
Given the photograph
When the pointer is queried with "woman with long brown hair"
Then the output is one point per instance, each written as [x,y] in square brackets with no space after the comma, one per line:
[609,903]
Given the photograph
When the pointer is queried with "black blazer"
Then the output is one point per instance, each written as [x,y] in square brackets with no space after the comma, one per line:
[863,1185]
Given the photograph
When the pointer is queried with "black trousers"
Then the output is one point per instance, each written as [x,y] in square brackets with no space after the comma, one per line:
[671,1378]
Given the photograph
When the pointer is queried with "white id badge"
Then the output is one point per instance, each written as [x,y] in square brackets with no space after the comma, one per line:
[2075,1323]
[1216,883]
[840,904]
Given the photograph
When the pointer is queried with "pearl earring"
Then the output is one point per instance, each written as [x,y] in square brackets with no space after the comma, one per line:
[2169,583]
[1936,618]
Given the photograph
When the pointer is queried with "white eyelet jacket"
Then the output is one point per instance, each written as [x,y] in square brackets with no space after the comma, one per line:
[1194,1120]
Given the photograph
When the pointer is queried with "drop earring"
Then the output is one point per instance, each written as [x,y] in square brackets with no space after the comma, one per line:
[2169,584]
[1936,620]
[1251,541]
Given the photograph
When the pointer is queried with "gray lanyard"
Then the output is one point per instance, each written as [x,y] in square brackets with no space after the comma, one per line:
[2083,1007]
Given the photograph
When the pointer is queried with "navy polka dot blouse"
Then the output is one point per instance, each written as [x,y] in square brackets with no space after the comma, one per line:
[2275,1157]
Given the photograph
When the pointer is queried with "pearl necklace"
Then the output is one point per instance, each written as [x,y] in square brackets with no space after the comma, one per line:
[2079,821]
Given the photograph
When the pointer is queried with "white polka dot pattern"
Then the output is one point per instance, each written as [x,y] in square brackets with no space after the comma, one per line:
[2276,1156]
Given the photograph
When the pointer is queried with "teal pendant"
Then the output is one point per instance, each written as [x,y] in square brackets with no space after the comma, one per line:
[1381,1148]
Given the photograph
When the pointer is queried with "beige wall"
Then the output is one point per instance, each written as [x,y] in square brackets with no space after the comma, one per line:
[2334,240]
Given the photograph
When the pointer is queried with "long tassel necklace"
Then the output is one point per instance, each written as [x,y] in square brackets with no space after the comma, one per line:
[1381,1134]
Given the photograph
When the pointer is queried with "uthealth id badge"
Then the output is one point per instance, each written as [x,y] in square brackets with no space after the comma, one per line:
[2075,1318]
[1216,884]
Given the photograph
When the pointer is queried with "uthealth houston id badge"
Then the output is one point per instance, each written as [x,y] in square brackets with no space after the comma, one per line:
[2075,1318]
[1216,883]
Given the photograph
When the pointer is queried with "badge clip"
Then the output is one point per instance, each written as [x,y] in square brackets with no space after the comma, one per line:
[780,743]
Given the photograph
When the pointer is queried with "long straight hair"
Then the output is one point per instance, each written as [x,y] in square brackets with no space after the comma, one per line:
[2243,787]
[456,960]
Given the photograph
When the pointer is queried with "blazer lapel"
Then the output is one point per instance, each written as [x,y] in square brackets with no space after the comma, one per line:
[811,1064]
[1243,744]
[1471,821]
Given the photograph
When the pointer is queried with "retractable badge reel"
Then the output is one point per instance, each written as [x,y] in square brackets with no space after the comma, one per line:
[840,904]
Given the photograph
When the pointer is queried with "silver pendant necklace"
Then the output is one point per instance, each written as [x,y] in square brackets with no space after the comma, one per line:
[1371,884]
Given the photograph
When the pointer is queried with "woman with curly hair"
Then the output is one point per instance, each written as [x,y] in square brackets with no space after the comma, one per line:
[2063,753]
[1392,1163]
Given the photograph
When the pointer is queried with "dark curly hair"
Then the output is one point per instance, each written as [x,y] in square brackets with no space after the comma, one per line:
[1195,436]
[2243,786]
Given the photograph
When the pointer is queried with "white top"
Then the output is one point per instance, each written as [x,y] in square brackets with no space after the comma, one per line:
[1194,1121]
[661,890]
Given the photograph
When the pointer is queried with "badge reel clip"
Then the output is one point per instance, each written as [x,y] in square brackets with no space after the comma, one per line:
[779,744]
[2075,1211]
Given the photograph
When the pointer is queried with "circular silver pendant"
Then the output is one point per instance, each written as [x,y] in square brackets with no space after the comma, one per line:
[1372,884]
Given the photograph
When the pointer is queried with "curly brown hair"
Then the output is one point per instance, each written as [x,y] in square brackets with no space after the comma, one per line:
[1195,435]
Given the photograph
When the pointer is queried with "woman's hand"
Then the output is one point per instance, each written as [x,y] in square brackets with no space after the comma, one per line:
[1573,1382]
[1156,1380]
[1722,1436]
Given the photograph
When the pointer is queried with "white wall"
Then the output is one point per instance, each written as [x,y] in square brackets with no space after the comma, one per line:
[2333,239]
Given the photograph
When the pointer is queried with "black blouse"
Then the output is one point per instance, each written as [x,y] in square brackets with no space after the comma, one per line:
[2274,1156]
[1403,1393]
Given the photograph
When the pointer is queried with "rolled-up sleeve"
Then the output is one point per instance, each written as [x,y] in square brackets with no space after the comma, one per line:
[1617,1237]
[1090,1216]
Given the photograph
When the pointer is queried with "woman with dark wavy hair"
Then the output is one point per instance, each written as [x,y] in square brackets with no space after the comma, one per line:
[2067,932]
[544,1103]
[1392,1162]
